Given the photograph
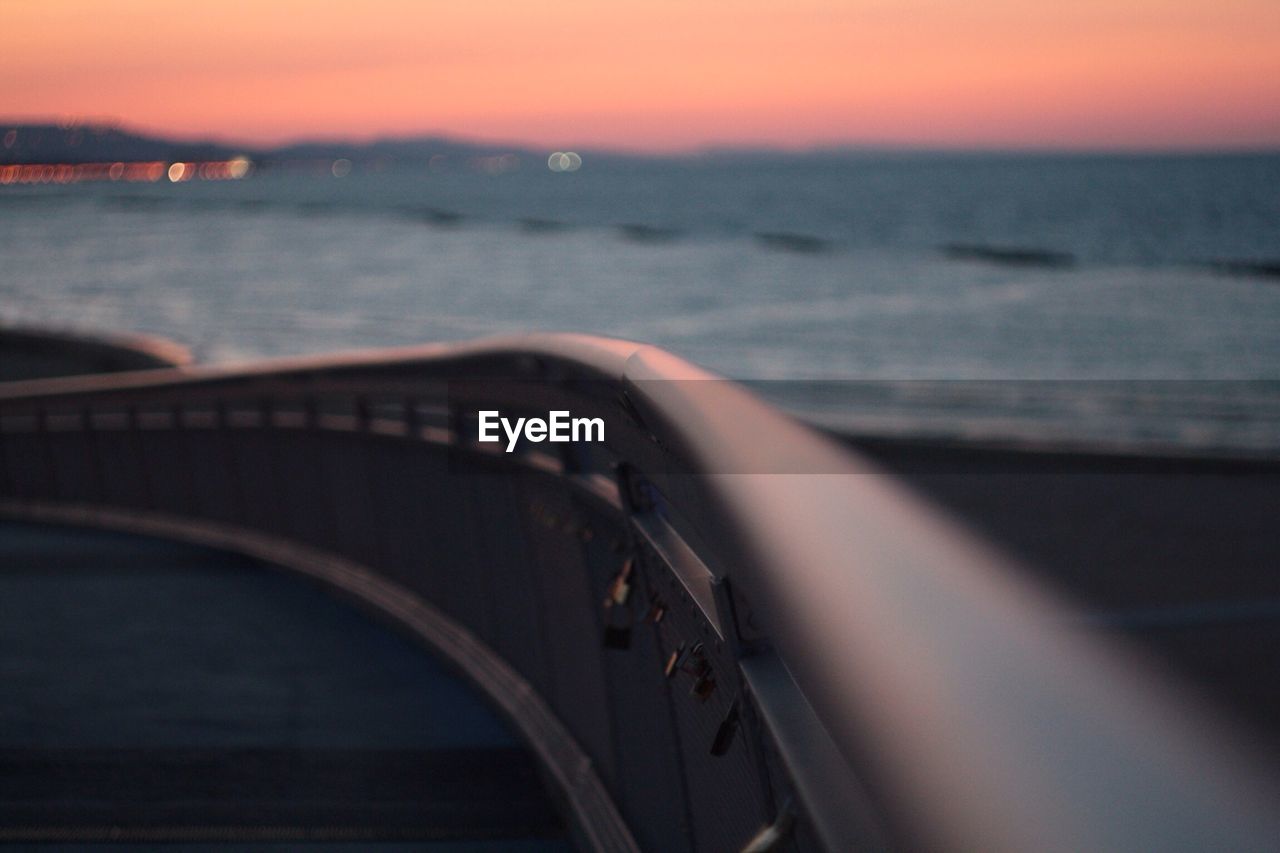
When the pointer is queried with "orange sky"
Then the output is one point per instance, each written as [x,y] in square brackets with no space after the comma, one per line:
[660,74]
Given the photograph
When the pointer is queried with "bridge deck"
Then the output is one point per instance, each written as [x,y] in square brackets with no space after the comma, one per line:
[159,692]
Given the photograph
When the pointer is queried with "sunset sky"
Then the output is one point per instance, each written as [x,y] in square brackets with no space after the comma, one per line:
[660,74]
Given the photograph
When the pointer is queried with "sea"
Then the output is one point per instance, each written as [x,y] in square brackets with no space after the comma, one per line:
[1075,299]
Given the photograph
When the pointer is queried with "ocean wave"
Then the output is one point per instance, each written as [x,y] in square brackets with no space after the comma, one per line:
[539,225]
[790,241]
[1019,256]
[137,201]
[1252,269]
[638,232]
[438,217]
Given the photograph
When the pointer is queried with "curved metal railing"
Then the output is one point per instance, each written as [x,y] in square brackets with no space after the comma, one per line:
[30,353]
[717,630]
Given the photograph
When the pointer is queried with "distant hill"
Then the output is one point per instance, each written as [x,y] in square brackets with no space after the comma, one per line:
[83,143]
[406,148]
[87,143]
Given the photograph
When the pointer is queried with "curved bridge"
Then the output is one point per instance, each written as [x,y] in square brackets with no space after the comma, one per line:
[716,630]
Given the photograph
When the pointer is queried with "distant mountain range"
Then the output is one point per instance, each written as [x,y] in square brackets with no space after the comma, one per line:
[87,142]
[90,143]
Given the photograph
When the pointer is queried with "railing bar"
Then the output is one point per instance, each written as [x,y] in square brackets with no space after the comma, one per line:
[97,476]
[230,460]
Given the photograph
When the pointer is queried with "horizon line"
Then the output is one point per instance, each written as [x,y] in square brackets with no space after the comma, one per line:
[745,147]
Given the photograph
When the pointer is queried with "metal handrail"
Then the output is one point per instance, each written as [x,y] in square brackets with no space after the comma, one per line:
[925,671]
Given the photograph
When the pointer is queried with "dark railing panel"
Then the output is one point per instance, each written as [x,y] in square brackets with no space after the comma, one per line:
[573,681]
[28,473]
